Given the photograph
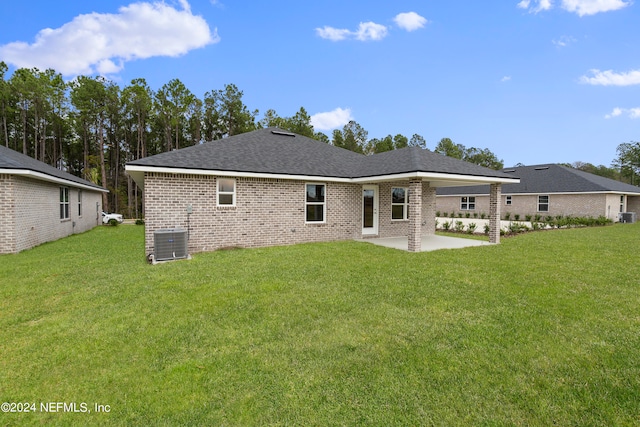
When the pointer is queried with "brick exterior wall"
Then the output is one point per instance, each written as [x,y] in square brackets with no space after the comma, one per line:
[593,205]
[32,213]
[633,205]
[7,215]
[495,192]
[415,215]
[268,212]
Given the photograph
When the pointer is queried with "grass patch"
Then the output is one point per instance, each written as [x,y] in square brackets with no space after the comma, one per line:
[540,330]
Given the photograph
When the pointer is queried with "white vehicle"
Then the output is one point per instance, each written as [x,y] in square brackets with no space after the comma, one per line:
[106,217]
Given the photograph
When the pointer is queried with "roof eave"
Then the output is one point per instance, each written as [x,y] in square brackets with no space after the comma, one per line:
[50,178]
[440,179]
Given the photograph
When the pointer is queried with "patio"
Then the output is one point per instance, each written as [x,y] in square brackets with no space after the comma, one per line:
[429,242]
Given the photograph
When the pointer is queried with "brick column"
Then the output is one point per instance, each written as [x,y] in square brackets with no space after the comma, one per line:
[495,194]
[415,215]
[429,209]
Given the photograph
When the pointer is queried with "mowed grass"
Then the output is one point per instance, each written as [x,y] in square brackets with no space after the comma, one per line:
[543,329]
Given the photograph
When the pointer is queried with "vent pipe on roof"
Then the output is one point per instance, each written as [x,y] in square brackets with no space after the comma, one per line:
[542,168]
[279,132]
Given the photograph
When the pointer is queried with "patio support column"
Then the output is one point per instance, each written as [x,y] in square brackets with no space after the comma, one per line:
[495,194]
[429,208]
[415,215]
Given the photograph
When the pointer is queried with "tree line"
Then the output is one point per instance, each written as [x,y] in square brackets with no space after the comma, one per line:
[91,127]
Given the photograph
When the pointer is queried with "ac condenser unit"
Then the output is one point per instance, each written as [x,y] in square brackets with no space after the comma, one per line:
[170,244]
[628,217]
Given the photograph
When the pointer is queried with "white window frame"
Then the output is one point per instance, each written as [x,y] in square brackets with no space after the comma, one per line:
[225,193]
[65,214]
[547,203]
[79,203]
[508,201]
[622,203]
[405,204]
[469,205]
[314,203]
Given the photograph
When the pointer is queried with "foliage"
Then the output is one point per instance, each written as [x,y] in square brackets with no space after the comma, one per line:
[471,227]
[483,157]
[459,226]
[113,222]
[139,221]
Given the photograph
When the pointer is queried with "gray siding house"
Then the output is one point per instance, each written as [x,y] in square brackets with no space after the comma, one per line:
[39,203]
[547,190]
[272,187]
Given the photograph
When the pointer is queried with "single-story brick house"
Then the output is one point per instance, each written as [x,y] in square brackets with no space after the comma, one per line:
[547,190]
[271,187]
[39,203]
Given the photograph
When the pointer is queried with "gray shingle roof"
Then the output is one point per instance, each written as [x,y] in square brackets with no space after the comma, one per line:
[550,178]
[11,159]
[274,151]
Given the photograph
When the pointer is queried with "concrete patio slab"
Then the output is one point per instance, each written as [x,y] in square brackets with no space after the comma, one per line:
[429,243]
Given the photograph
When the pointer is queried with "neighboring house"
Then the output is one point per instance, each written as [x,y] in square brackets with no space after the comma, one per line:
[271,187]
[39,203]
[547,190]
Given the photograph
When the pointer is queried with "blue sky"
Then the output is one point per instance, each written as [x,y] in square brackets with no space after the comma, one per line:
[539,81]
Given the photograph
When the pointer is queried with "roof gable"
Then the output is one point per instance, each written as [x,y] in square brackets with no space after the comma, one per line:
[18,163]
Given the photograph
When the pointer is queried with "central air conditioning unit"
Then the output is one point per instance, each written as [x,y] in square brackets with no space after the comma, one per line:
[170,244]
[628,217]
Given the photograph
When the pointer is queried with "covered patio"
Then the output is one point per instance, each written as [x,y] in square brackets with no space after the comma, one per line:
[429,242]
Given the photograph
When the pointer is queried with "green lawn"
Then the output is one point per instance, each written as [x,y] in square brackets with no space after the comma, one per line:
[543,329]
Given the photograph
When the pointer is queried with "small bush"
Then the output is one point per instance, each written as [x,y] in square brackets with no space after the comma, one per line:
[471,228]
[516,217]
[483,215]
[438,213]
[452,214]
[528,218]
[446,225]
[467,215]
[487,229]
[507,216]
[459,214]
[475,214]
[113,222]
[459,227]
[139,221]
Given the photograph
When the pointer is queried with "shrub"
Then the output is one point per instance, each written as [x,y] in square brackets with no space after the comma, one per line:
[446,225]
[467,215]
[516,217]
[487,229]
[538,217]
[483,215]
[438,213]
[113,222]
[475,214]
[507,216]
[459,227]
[471,228]
[139,221]
[528,218]
[452,214]
[459,214]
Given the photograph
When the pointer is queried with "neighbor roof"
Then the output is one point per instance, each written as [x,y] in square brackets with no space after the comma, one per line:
[550,178]
[12,162]
[273,151]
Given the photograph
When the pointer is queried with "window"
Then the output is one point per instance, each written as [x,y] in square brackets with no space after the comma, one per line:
[507,200]
[621,203]
[543,203]
[79,202]
[399,203]
[64,203]
[226,192]
[467,203]
[315,202]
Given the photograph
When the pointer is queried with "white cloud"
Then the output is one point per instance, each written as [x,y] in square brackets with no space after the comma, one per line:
[580,7]
[370,31]
[609,78]
[632,113]
[505,79]
[591,7]
[410,21]
[332,119]
[564,41]
[366,31]
[102,43]
[539,5]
